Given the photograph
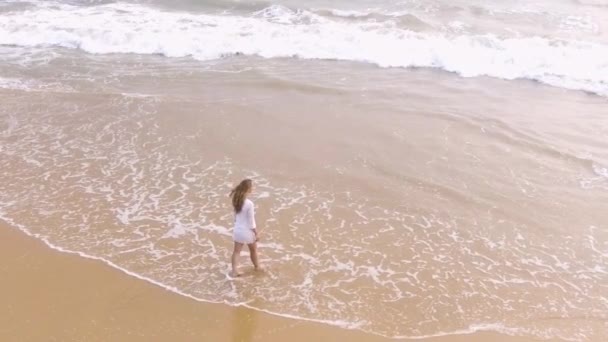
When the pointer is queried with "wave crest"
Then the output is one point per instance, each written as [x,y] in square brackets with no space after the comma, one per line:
[277,31]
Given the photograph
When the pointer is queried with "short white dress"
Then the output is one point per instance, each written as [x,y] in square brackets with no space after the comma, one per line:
[244,223]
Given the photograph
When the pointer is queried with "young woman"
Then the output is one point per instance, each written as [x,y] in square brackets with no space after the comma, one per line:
[245,232]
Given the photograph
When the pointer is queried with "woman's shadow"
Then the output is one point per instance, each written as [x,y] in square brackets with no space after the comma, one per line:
[244,324]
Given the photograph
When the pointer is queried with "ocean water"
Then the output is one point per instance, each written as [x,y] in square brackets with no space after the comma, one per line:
[561,43]
[421,168]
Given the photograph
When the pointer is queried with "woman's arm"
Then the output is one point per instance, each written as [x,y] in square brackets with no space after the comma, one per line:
[252,224]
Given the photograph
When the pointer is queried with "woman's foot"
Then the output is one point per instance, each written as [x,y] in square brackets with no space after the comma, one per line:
[234,274]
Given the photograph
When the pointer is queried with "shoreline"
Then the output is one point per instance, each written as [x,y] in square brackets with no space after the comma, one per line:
[84,299]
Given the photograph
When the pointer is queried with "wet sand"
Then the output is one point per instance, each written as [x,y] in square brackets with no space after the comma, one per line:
[52,296]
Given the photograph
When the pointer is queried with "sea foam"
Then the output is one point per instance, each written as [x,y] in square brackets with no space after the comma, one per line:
[278,32]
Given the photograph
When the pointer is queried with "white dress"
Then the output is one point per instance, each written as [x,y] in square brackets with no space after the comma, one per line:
[244,223]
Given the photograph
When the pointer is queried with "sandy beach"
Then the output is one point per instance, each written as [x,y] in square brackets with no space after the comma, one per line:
[52,296]
[428,170]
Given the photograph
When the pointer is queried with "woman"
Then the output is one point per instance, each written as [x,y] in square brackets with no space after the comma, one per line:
[244,225]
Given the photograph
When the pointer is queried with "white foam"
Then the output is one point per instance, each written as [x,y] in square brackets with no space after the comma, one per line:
[600,170]
[32,85]
[457,25]
[599,181]
[472,329]
[594,2]
[281,32]
[349,13]
[14,83]
[176,231]
[579,23]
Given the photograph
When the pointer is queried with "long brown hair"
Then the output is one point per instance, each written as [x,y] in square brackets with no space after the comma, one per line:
[238,194]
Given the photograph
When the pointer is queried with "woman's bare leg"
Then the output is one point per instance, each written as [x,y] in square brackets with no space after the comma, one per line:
[253,254]
[235,254]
